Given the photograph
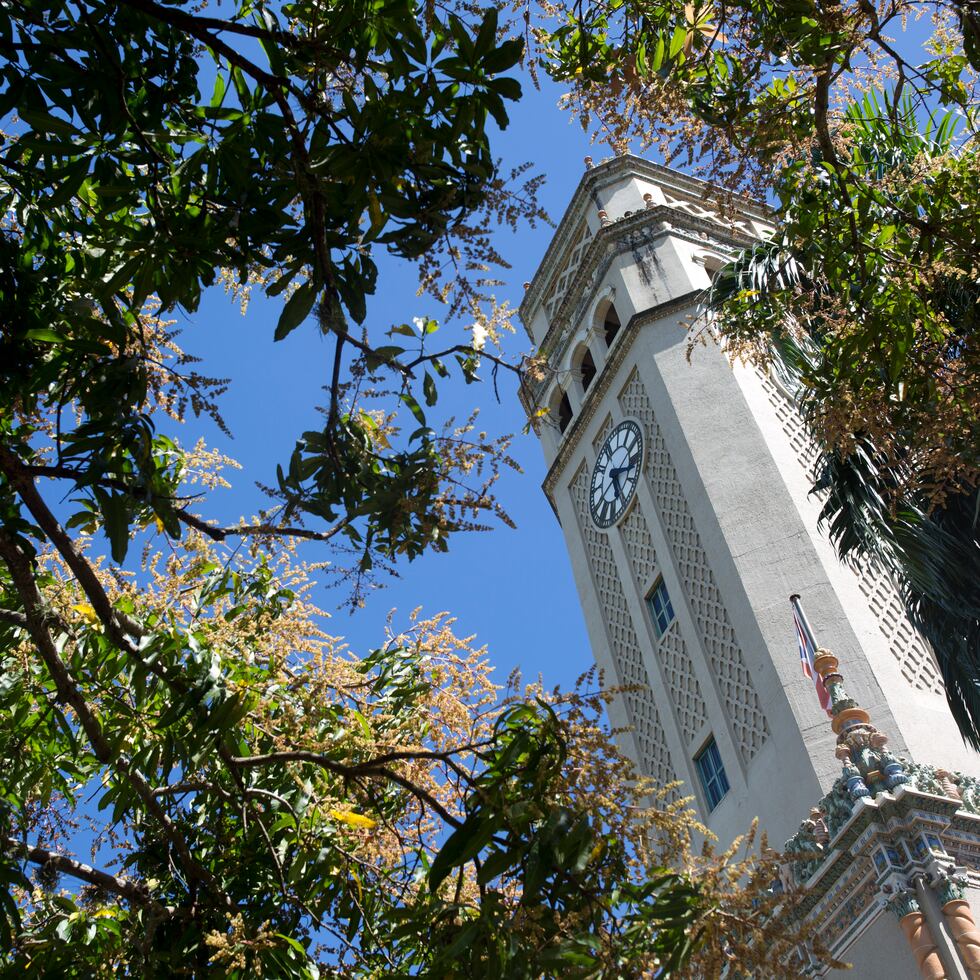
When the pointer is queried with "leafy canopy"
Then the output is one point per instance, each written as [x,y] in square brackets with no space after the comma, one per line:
[259,800]
[325,133]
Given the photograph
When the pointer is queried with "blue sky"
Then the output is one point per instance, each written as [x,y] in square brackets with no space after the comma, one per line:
[512,588]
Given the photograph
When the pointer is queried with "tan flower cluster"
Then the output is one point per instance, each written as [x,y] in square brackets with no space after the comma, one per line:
[239,947]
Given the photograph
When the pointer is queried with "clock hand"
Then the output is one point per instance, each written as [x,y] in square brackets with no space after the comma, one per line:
[615,472]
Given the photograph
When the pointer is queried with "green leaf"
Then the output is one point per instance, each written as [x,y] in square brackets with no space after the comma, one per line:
[461,846]
[365,726]
[218,95]
[414,406]
[114,508]
[296,310]
[677,42]
[660,50]
[47,123]
[497,863]
[44,334]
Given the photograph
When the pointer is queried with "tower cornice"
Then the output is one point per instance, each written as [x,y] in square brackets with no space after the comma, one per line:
[688,190]
[662,220]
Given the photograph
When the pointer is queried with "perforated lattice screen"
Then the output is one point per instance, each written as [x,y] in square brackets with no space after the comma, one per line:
[563,278]
[641,709]
[741,702]
[915,658]
[675,661]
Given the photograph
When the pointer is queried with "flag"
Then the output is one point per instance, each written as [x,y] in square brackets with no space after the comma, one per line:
[807,654]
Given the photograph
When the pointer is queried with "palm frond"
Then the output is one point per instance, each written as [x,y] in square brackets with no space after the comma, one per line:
[933,557]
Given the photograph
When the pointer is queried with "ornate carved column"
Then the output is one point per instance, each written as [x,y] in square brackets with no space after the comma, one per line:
[917,933]
[966,935]
[919,937]
[960,921]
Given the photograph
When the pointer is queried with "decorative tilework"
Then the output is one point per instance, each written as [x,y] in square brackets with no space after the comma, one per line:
[860,904]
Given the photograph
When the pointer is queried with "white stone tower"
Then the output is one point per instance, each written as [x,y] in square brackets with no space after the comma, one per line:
[681,487]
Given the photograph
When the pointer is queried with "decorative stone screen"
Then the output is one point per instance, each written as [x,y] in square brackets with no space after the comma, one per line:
[675,662]
[641,709]
[579,243]
[915,658]
[741,702]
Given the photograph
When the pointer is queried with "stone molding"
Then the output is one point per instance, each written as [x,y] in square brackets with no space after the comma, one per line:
[602,175]
[661,221]
[597,390]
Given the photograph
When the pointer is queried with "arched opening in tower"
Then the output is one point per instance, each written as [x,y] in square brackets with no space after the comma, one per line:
[564,413]
[588,369]
[611,325]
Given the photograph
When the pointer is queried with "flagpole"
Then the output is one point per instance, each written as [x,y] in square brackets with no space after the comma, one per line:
[805,635]
[804,622]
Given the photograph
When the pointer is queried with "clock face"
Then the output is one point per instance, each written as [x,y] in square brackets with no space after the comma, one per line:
[616,474]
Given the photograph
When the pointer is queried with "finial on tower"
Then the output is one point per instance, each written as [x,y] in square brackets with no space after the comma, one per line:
[869,767]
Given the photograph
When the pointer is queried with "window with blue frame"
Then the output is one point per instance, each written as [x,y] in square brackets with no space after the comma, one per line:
[661,610]
[711,772]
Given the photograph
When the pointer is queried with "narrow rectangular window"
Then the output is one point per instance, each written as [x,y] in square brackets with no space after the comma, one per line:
[661,611]
[711,772]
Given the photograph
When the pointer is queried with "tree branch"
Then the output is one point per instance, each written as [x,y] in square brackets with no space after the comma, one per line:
[348,772]
[23,482]
[214,531]
[83,872]
[13,617]
[217,533]
[22,575]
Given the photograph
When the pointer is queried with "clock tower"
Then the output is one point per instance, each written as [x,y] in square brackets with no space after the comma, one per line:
[680,481]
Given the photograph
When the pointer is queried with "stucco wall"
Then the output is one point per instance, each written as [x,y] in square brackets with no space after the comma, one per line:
[880,953]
